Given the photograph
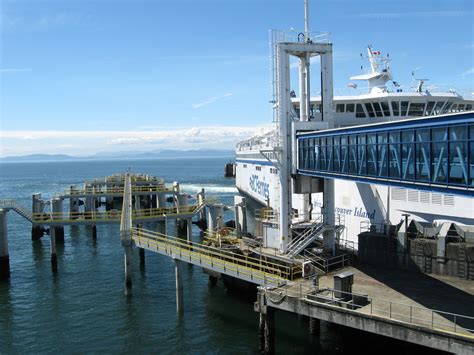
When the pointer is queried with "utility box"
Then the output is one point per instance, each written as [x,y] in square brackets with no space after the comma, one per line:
[343,285]
[307,184]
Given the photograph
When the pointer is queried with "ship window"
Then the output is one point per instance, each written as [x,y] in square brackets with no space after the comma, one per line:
[468,107]
[429,108]
[454,108]
[437,109]
[297,110]
[360,111]
[385,108]
[461,107]
[416,109]
[258,168]
[378,109]
[349,107]
[395,108]
[370,109]
[457,155]
[245,166]
[404,108]
[340,108]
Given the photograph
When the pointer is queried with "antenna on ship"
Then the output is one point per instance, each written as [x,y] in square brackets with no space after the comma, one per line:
[306,20]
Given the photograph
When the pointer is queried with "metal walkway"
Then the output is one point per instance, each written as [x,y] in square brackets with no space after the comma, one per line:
[243,267]
[101,217]
[434,153]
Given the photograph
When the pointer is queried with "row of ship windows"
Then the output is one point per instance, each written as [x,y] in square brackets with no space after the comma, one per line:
[270,156]
[259,168]
[396,108]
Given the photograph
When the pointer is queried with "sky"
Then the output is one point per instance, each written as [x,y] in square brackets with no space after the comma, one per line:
[89,76]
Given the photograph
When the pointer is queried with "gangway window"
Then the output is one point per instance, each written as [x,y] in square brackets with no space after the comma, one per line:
[361,153]
[394,168]
[457,155]
[353,154]
[439,153]
[423,154]
[408,159]
[382,154]
[395,108]
[372,154]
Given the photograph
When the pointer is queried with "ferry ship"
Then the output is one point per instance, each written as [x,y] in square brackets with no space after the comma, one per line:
[361,205]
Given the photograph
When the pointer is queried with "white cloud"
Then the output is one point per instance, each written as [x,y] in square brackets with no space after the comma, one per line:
[83,143]
[211,100]
[468,72]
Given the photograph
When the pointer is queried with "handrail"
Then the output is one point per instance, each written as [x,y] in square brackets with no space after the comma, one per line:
[281,272]
[398,311]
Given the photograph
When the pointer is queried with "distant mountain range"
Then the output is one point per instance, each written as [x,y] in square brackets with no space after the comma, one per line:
[122,155]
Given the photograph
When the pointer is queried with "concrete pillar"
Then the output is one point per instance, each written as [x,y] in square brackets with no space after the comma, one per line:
[261,332]
[329,236]
[4,256]
[269,333]
[179,286]
[181,205]
[57,208]
[215,217]
[94,232]
[314,326]
[189,229]
[141,253]
[213,280]
[37,206]
[240,215]
[73,203]
[128,270]
[52,244]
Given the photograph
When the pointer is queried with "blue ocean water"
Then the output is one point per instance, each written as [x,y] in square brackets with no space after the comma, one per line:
[83,307]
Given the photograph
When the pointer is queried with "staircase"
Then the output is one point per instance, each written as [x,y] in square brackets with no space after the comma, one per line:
[423,260]
[13,205]
[306,238]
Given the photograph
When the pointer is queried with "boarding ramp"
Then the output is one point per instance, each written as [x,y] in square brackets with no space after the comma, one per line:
[15,206]
[431,153]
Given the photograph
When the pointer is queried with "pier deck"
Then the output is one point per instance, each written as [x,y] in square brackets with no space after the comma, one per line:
[414,307]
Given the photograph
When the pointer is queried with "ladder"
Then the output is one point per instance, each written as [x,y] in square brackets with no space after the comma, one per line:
[306,238]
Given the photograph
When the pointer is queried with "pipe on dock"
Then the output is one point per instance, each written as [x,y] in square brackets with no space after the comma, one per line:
[4,256]
[37,206]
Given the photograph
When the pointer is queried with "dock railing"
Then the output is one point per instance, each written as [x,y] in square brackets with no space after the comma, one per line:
[362,303]
[269,272]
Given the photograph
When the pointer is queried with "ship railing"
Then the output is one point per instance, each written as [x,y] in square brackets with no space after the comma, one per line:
[427,318]
[278,36]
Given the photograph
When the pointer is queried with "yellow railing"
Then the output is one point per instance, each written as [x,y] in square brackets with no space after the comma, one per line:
[241,264]
[113,215]
[118,190]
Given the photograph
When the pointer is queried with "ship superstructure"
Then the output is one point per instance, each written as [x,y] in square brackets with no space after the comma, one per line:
[259,158]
